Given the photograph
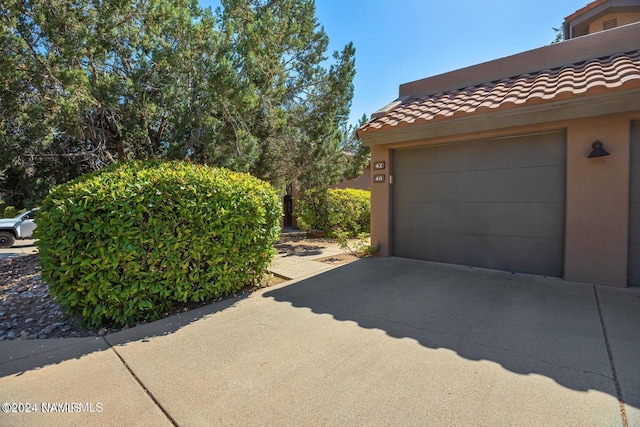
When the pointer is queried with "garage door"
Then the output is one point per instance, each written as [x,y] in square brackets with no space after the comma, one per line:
[495,203]
[634,208]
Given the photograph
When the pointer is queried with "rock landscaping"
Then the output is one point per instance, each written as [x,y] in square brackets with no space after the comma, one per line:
[27,309]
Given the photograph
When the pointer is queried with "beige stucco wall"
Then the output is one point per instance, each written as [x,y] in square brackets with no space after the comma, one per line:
[622,19]
[381,201]
[597,209]
[362,182]
[597,194]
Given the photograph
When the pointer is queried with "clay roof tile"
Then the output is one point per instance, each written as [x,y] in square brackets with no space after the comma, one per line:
[571,80]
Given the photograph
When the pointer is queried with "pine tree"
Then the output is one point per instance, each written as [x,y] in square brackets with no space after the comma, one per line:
[86,83]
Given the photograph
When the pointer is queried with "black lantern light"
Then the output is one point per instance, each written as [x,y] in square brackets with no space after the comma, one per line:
[598,150]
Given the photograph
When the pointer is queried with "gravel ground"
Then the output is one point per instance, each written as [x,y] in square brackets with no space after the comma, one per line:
[29,311]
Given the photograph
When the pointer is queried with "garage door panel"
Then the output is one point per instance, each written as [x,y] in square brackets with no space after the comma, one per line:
[527,151]
[502,253]
[634,264]
[634,218]
[635,142]
[498,219]
[495,203]
[502,185]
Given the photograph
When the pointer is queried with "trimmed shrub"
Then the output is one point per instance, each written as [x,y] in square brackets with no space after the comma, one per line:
[10,212]
[334,209]
[311,210]
[132,241]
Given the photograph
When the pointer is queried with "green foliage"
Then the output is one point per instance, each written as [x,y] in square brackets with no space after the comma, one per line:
[559,37]
[249,87]
[130,242]
[10,212]
[329,210]
[357,155]
[311,209]
[358,246]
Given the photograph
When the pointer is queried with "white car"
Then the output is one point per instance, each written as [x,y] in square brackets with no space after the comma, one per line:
[18,228]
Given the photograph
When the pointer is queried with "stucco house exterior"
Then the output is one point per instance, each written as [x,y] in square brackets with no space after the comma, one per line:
[528,163]
[361,182]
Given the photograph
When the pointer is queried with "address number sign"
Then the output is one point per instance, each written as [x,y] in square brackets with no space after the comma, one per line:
[378,178]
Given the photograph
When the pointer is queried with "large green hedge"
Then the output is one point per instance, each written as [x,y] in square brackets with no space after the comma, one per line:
[347,209]
[131,241]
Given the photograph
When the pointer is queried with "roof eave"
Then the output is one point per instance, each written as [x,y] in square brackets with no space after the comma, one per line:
[554,111]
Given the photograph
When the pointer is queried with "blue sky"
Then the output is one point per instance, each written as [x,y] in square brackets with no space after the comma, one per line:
[401,41]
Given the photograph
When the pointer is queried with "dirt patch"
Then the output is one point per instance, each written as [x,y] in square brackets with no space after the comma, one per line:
[339,259]
[300,245]
[276,280]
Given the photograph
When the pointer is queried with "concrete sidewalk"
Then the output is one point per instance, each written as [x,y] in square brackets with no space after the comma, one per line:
[304,263]
[379,341]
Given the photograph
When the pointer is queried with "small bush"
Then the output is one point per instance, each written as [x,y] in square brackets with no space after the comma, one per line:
[130,242]
[359,245]
[10,212]
[347,210]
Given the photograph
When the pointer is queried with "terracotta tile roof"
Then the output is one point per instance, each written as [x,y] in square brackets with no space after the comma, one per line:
[600,75]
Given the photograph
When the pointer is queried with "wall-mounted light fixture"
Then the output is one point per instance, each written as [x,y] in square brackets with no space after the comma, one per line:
[598,150]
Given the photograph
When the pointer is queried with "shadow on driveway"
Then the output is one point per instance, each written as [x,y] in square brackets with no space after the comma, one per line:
[20,356]
[527,324]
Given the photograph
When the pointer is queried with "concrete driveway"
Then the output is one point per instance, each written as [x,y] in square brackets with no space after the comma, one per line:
[380,341]
[21,247]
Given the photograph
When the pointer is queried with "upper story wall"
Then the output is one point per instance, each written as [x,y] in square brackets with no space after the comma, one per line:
[362,182]
[601,15]
[619,19]
[579,49]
